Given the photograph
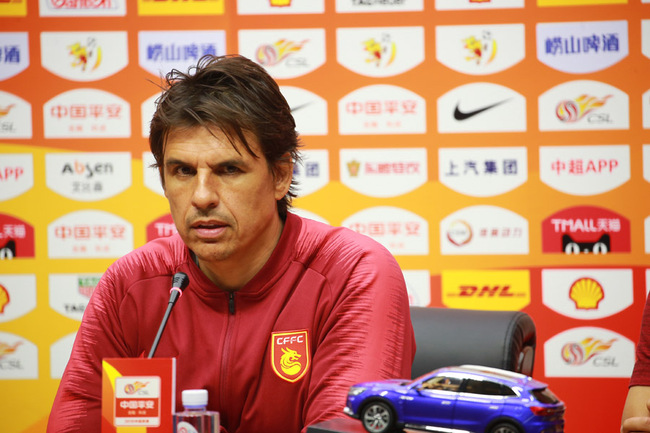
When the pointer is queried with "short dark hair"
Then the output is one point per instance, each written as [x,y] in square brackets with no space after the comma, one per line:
[235,95]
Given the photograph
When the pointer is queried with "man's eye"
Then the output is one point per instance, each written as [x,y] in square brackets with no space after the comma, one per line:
[184,171]
[231,169]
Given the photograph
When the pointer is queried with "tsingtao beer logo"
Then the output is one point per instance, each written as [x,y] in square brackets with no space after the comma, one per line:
[582,47]
[14,59]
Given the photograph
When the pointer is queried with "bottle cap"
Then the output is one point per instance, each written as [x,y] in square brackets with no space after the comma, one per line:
[195,397]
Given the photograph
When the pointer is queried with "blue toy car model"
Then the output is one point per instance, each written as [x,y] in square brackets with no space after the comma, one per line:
[458,399]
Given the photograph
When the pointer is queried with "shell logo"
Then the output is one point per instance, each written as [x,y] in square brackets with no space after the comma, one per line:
[579,353]
[586,293]
[4,298]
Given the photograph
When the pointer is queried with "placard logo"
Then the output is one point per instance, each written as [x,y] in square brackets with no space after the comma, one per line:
[15,117]
[285,53]
[277,7]
[84,56]
[382,109]
[588,352]
[89,234]
[483,171]
[17,296]
[290,354]
[418,287]
[16,238]
[585,229]
[308,109]
[591,105]
[402,232]
[312,171]
[87,113]
[14,54]
[162,51]
[161,228]
[60,352]
[480,50]
[486,290]
[582,47]
[184,7]
[70,293]
[478,4]
[88,176]
[485,230]
[356,6]
[18,357]
[16,174]
[383,172]
[481,107]
[380,51]
[13,8]
[587,294]
[85,8]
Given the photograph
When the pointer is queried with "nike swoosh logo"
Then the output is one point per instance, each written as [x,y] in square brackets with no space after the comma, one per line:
[299,107]
[464,115]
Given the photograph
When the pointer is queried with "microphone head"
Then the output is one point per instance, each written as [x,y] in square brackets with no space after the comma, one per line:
[180,280]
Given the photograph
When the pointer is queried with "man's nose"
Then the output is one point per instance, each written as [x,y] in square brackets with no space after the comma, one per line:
[205,194]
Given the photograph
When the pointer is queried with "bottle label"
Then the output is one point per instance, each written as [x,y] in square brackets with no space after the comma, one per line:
[185,427]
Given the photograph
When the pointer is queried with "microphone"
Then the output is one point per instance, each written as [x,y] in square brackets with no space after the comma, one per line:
[179,283]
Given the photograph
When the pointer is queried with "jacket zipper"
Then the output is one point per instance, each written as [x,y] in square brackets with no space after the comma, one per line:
[226,348]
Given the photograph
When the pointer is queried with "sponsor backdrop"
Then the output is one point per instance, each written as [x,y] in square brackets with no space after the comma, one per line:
[498,148]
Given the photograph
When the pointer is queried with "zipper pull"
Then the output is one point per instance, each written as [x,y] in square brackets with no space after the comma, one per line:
[231,302]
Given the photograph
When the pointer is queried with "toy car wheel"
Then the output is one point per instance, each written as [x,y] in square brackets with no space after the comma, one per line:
[505,427]
[377,417]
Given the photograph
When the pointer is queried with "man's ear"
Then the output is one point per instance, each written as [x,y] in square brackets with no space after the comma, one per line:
[282,176]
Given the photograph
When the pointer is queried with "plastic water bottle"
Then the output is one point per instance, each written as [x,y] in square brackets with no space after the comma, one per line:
[195,418]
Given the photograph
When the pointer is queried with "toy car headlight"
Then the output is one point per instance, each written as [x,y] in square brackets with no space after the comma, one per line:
[356,390]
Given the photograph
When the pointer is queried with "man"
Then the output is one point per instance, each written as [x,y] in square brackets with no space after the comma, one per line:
[636,412]
[282,314]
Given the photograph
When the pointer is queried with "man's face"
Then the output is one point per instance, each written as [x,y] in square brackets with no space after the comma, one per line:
[223,202]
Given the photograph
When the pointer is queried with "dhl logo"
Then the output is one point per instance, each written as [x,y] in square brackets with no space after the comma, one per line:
[486,290]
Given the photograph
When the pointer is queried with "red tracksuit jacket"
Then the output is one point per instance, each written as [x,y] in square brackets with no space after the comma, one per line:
[329,309]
